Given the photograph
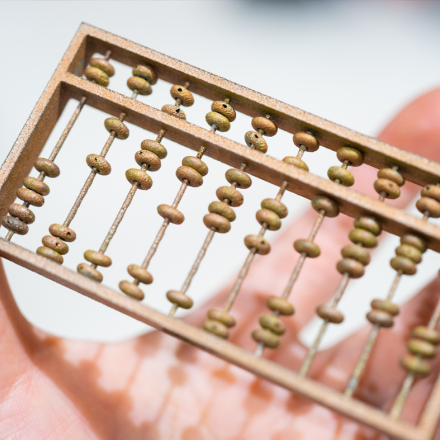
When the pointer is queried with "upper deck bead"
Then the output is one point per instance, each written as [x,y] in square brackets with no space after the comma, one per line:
[306,140]
[256,141]
[146,72]
[224,109]
[103,65]
[98,75]
[120,129]
[265,124]
[182,93]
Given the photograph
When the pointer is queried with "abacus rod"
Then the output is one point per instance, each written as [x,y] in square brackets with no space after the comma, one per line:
[314,348]
[400,401]
[369,345]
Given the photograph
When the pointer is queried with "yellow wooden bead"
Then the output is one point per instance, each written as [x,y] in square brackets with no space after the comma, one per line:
[193,177]
[429,206]
[380,318]
[390,174]
[228,193]
[272,323]
[280,305]
[269,219]
[150,159]
[354,157]
[431,191]
[140,176]
[222,209]
[369,224]
[411,252]
[256,141]
[265,124]
[180,299]
[174,110]
[218,222]
[352,267]
[362,236]
[329,313]
[221,316]
[356,252]
[421,348]
[97,75]
[23,213]
[404,264]
[413,240]
[221,122]
[47,166]
[196,164]
[171,213]
[103,65]
[414,364]
[390,188]
[155,147]
[139,85]
[97,258]
[341,174]
[224,109]
[326,204]
[15,225]
[62,232]
[89,272]
[99,162]
[239,177]
[50,254]
[306,140]
[276,206]
[36,185]
[146,72]
[130,289]
[427,334]
[258,243]
[182,93]
[296,162]
[266,337]
[308,247]
[216,328]
[120,129]
[55,244]
[140,274]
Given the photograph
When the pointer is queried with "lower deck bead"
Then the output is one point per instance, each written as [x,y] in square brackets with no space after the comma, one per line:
[222,122]
[280,305]
[50,254]
[413,240]
[47,166]
[266,337]
[180,299]
[15,225]
[256,141]
[421,348]
[331,314]
[239,177]
[380,318]
[257,242]
[404,264]
[171,213]
[174,110]
[431,191]
[62,232]
[102,64]
[196,164]
[390,188]
[222,209]
[306,140]
[231,194]
[118,127]
[149,158]
[216,328]
[356,252]
[31,197]
[216,221]
[390,174]
[265,124]
[368,223]
[353,268]
[36,185]
[56,244]
[430,206]
[140,274]
[189,174]
[97,258]
[386,306]
[274,205]
[269,218]
[102,166]
[362,236]
[272,323]
[222,316]
[414,364]
[141,85]
[23,213]
[132,290]
[411,252]
[338,173]
[98,75]
[140,176]
[354,157]
[89,272]
[225,109]
[308,247]
[427,334]
[326,204]
[155,147]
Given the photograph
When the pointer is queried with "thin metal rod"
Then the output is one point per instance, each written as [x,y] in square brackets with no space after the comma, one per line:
[198,260]
[314,348]
[119,217]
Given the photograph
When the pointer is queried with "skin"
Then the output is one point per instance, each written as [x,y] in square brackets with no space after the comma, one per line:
[155,387]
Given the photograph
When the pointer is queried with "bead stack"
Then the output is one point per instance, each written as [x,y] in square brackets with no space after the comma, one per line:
[20,216]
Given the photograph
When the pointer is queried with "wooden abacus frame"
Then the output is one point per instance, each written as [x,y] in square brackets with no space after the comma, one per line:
[66,83]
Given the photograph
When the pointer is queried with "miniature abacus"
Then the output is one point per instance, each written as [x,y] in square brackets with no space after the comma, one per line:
[329,198]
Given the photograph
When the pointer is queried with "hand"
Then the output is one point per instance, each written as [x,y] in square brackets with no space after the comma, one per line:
[156,387]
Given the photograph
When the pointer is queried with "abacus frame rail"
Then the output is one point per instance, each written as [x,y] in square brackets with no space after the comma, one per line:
[65,84]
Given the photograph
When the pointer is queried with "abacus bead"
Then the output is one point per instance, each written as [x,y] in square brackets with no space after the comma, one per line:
[174,110]
[97,258]
[352,267]
[179,298]
[155,147]
[46,165]
[171,213]
[357,253]
[329,313]
[50,254]
[296,162]
[62,232]
[265,124]
[196,164]
[362,236]
[413,240]
[224,109]
[280,305]
[421,348]
[89,272]
[221,316]
[231,194]
[140,274]
[36,185]
[404,264]
[222,209]
[15,225]
[427,334]
[146,72]
[390,188]
[323,203]
[120,129]
[182,93]
[431,206]
[272,323]
[386,306]
[239,177]
[56,244]
[369,224]
[355,158]
[27,195]
[222,122]
[104,65]
[266,337]
[269,218]
[338,173]
[257,242]
[149,158]
[216,328]
[99,162]
[432,191]
[130,289]
[380,318]
[414,364]
[98,75]
[307,247]
[390,174]
[411,252]
[216,221]
[140,85]
[193,177]
[256,141]
[140,176]
[23,213]
[276,206]
[306,140]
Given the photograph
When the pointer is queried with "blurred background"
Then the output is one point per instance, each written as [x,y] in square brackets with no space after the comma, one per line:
[354,63]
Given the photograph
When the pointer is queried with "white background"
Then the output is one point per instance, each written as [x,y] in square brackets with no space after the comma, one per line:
[355,63]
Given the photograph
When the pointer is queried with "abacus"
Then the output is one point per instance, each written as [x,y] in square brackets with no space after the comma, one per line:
[329,198]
